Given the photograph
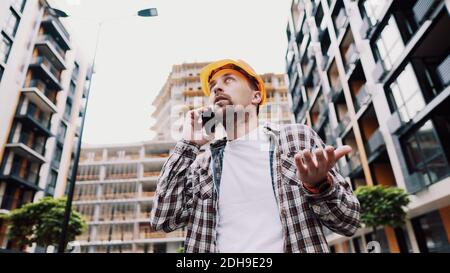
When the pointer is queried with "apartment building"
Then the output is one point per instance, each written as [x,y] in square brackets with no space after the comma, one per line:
[182,92]
[43,87]
[375,75]
[114,193]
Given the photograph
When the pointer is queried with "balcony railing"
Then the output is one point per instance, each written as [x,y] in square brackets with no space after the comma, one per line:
[415,182]
[160,234]
[443,71]
[341,20]
[330,138]
[335,92]
[352,164]
[148,194]
[29,176]
[121,176]
[59,25]
[39,147]
[88,177]
[351,56]
[380,70]
[367,29]
[42,120]
[39,84]
[422,9]
[362,97]
[343,123]
[45,62]
[375,142]
[9,202]
[151,174]
[124,195]
[117,216]
[54,43]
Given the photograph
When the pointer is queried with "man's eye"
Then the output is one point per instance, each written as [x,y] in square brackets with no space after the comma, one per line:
[228,79]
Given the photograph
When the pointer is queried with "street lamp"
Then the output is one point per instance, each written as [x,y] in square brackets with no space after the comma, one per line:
[151,12]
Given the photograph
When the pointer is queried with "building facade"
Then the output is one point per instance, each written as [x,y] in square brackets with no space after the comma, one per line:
[182,92]
[375,75]
[43,88]
[114,193]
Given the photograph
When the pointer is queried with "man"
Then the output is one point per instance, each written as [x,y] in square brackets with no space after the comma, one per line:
[241,197]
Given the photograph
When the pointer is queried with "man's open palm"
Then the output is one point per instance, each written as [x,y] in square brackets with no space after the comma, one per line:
[312,167]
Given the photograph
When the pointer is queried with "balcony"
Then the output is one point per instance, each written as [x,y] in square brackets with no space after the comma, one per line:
[32,151]
[42,123]
[422,9]
[121,176]
[380,71]
[28,178]
[323,110]
[352,165]
[443,71]
[362,98]
[160,234]
[396,123]
[351,56]
[375,142]
[88,177]
[37,94]
[54,26]
[48,45]
[46,69]
[343,123]
[334,93]
[341,21]
[330,138]
[415,182]
[367,29]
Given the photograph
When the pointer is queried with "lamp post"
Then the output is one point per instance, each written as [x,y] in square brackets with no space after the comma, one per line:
[151,12]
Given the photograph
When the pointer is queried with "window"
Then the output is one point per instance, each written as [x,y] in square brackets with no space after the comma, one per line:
[51,183]
[72,88]
[389,45]
[430,233]
[373,9]
[75,71]
[61,134]
[57,156]
[405,94]
[5,48]
[12,23]
[19,4]
[424,154]
[68,109]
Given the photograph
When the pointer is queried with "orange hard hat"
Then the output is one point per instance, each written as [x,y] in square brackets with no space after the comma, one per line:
[208,71]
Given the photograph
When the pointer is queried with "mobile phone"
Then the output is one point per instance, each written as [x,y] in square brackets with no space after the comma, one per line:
[207,116]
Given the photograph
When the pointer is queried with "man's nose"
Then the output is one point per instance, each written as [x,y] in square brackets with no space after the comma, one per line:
[217,89]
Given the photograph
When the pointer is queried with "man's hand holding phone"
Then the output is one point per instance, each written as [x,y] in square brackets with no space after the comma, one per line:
[195,123]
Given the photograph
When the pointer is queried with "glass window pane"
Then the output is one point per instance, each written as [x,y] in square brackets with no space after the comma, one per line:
[12,23]
[415,105]
[5,48]
[438,168]
[413,155]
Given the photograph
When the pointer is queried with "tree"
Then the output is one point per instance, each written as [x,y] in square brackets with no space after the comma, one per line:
[180,250]
[382,206]
[41,223]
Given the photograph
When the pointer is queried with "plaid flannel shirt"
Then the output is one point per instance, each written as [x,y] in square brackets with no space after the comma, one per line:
[187,194]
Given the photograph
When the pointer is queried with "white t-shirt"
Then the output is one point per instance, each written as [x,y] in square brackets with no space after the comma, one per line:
[249,218]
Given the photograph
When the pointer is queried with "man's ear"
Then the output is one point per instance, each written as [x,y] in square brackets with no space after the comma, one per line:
[256,99]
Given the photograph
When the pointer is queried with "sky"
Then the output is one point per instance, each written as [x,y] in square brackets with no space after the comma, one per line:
[135,54]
